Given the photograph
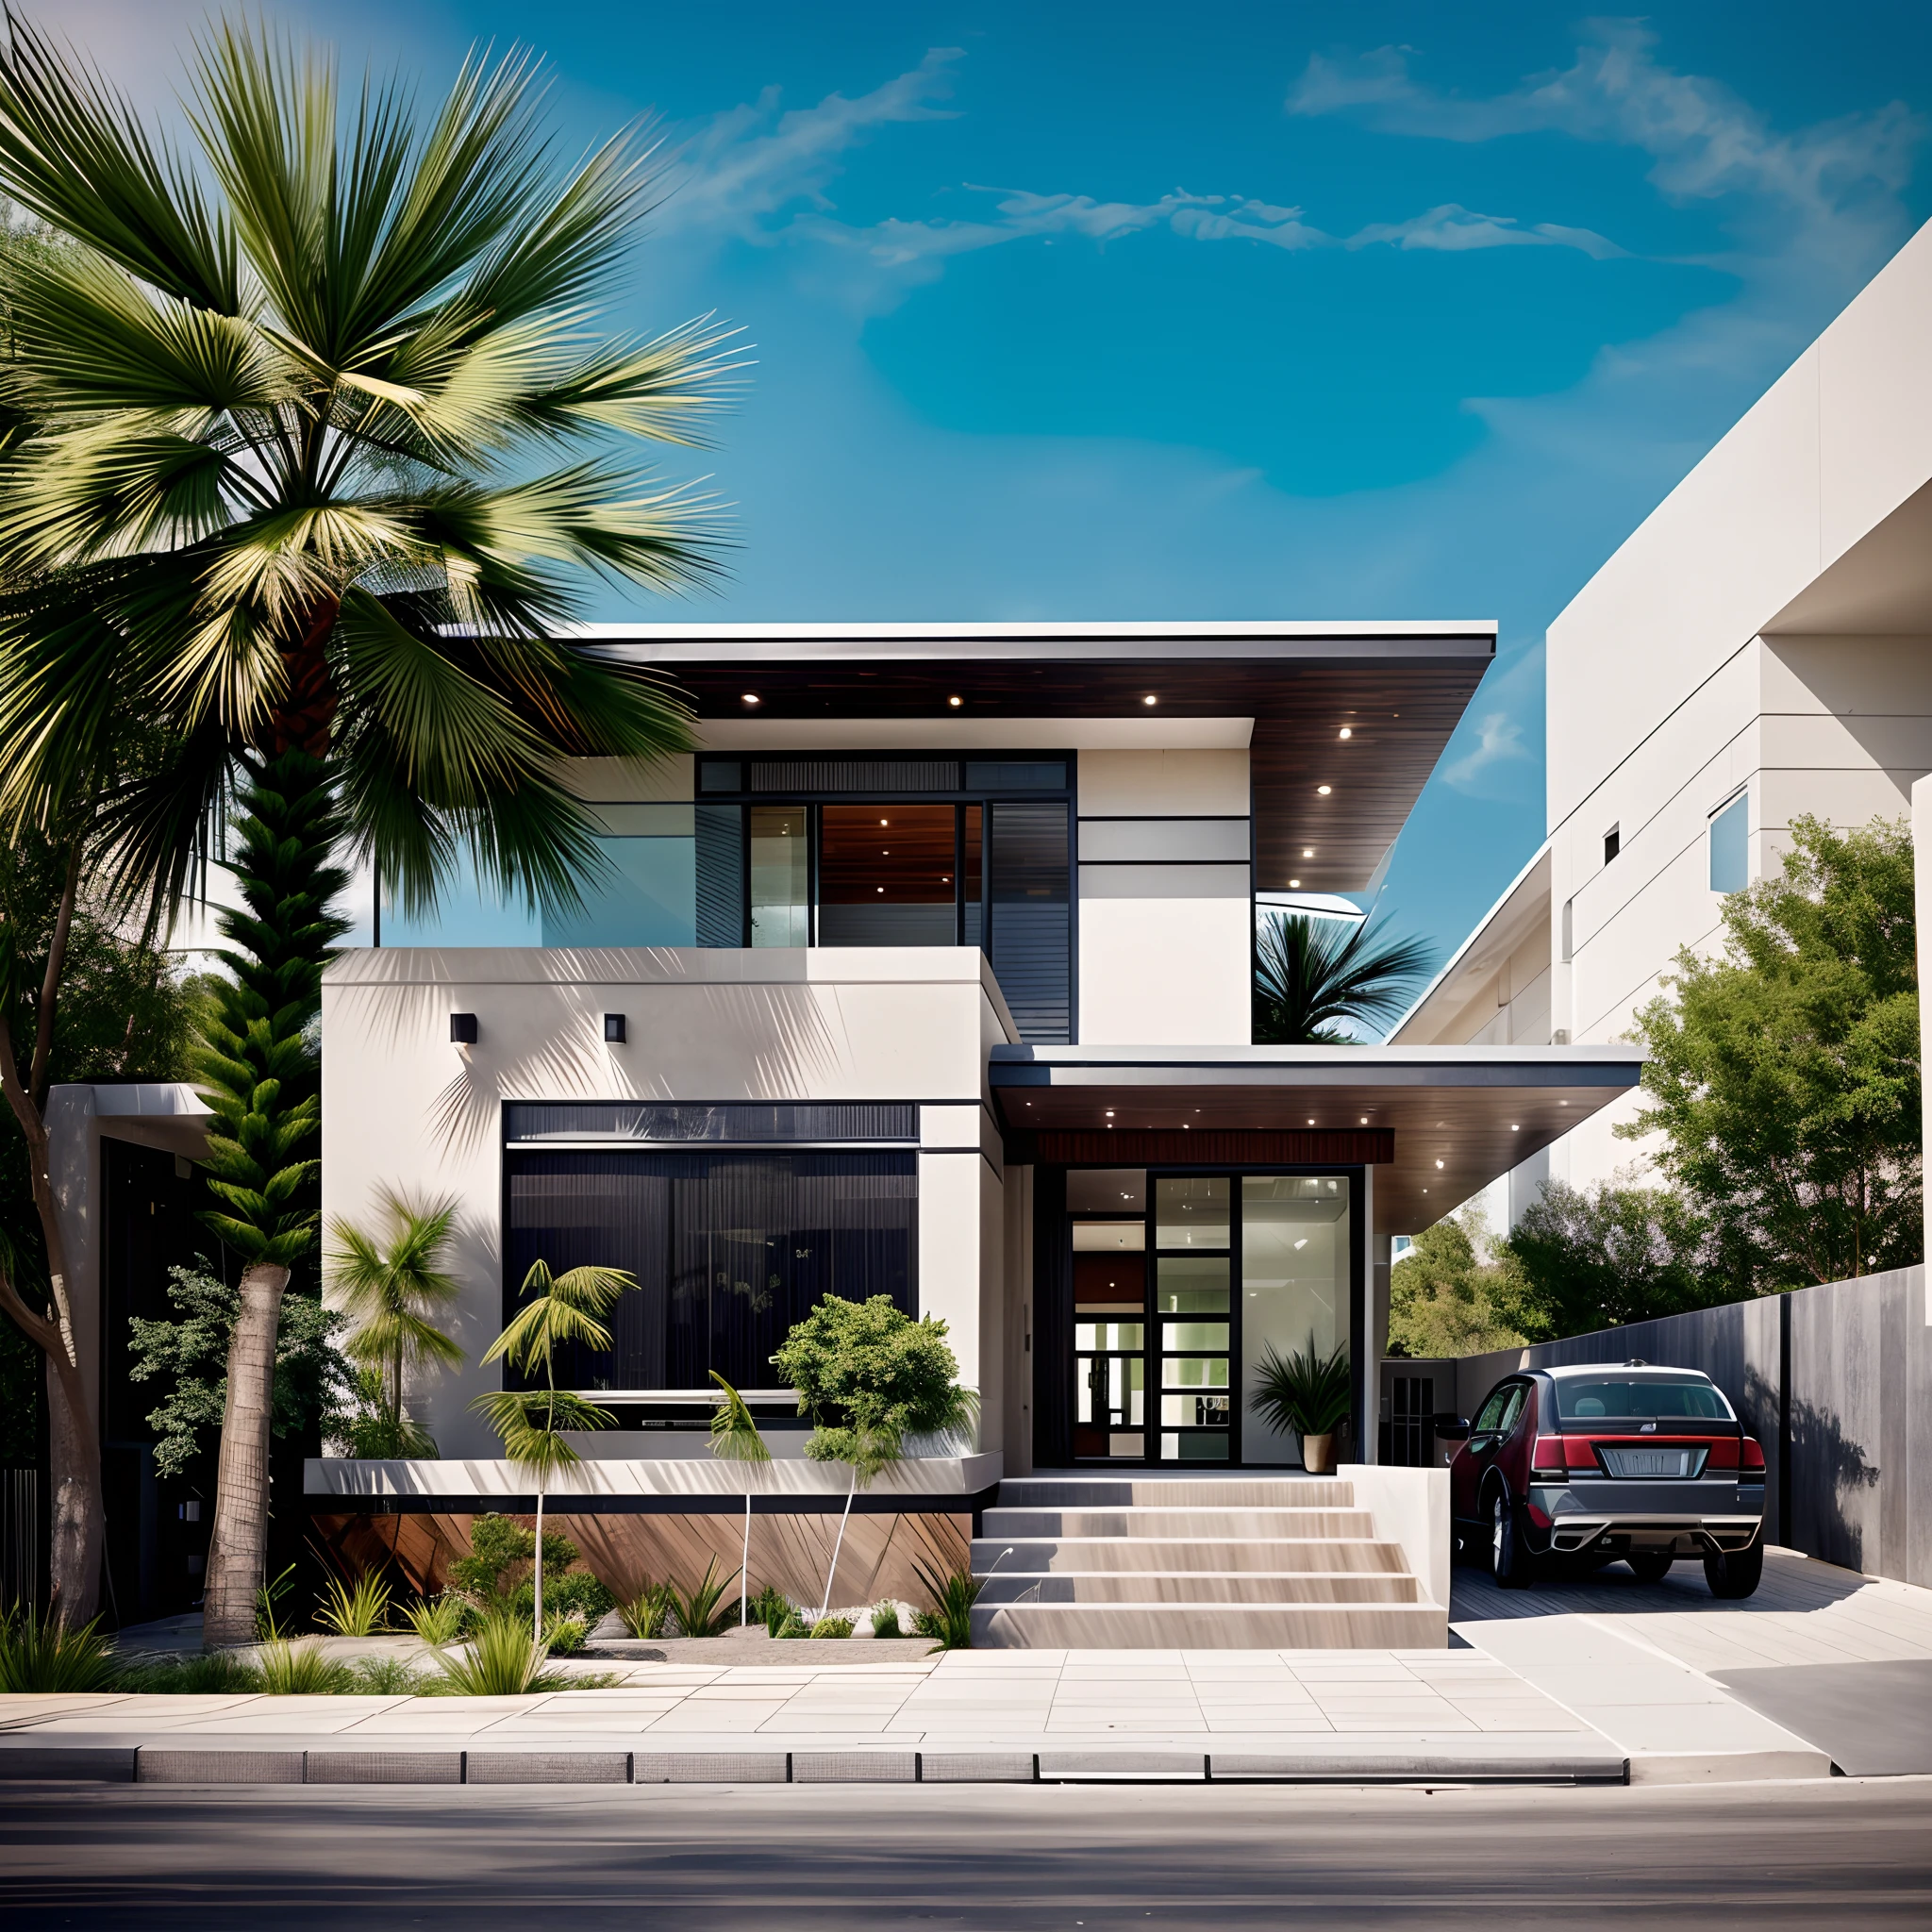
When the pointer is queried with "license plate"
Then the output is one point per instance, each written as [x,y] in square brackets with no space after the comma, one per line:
[1649,1462]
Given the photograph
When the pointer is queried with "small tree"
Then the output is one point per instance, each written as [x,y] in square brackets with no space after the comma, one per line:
[557,1309]
[1455,1293]
[867,1373]
[392,1286]
[1315,979]
[735,1437]
[1784,1074]
[1602,1257]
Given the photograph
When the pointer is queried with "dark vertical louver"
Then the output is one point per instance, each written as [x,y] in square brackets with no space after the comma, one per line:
[721,875]
[1031,950]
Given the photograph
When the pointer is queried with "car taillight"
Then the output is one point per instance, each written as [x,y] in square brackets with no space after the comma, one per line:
[1751,1456]
[1547,1463]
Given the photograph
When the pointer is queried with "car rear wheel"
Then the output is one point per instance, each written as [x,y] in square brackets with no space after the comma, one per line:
[1508,1559]
[1650,1568]
[1735,1572]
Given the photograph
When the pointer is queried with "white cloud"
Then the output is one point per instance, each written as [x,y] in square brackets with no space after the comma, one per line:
[751,163]
[1704,140]
[1499,738]
[1454,227]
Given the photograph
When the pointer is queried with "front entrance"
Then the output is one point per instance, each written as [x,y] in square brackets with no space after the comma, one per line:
[1192,1292]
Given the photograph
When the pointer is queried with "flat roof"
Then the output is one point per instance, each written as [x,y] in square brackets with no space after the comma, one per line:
[1398,688]
[1460,1115]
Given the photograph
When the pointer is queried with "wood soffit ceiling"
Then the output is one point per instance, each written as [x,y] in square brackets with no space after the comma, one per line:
[1399,711]
[1476,1132]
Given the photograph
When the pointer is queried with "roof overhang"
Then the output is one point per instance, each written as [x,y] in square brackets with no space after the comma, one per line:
[1456,1117]
[1398,688]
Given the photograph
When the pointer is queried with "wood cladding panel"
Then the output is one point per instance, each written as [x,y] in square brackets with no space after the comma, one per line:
[790,1550]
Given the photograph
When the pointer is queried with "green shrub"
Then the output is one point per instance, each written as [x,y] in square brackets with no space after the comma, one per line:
[357,1610]
[437,1620]
[564,1636]
[214,1674]
[885,1619]
[792,1624]
[649,1612]
[300,1670]
[570,1593]
[41,1653]
[769,1607]
[698,1611]
[949,1623]
[387,1676]
[832,1626]
[501,1559]
[500,1660]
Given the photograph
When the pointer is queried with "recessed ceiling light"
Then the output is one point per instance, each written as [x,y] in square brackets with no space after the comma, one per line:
[1307,852]
[1311,1119]
[1294,885]
[882,822]
[1109,1113]
[751,697]
[1365,1120]
[1346,732]
[882,888]
[955,702]
[1515,1128]
[1322,790]
[1150,699]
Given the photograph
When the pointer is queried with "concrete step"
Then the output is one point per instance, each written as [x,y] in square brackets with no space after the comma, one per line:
[1210,1627]
[1174,1554]
[1196,1587]
[1139,1519]
[1175,1492]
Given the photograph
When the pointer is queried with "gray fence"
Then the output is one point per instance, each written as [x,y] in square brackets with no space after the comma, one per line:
[1836,1382]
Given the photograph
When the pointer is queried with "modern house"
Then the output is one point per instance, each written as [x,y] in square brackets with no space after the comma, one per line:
[1760,648]
[928,976]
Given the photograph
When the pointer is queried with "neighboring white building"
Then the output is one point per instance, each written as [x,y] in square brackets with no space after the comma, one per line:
[1761,648]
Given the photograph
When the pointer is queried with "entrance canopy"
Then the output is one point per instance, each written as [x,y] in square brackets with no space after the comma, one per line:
[1437,1122]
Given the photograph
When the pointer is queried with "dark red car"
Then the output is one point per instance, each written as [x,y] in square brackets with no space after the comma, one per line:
[1572,1468]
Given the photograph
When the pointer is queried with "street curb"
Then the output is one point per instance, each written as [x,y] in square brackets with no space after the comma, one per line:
[224,1764]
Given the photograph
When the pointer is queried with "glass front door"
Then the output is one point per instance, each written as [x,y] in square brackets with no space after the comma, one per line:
[1192,1293]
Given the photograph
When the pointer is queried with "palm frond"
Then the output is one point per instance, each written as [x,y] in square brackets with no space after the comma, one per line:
[531,1424]
[1315,979]
[735,1435]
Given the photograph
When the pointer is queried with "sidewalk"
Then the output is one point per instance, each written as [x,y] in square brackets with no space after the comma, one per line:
[1449,1716]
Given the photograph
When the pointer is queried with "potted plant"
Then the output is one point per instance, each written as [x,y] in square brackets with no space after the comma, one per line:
[867,1374]
[1307,1393]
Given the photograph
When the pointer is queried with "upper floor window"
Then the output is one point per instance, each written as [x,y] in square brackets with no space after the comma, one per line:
[1730,845]
[1613,842]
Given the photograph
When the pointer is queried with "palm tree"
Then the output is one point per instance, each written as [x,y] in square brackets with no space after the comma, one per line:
[392,1286]
[735,1437]
[322,448]
[1314,976]
[557,1309]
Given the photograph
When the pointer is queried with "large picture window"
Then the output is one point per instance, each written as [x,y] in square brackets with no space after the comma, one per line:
[729,1251]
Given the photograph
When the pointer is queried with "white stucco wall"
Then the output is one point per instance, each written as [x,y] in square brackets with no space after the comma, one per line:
[404,1107]
[1166,894]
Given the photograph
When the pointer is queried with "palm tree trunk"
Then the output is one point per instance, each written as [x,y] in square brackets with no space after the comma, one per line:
[238,1552]
[826,1607]
[744,1569]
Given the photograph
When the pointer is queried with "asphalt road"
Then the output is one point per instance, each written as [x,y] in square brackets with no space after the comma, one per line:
[1838,1854]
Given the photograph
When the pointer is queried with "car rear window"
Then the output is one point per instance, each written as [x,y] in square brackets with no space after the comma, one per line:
[1647,1397]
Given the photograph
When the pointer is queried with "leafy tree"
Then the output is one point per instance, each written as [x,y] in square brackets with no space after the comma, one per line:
[867,1373]
[1317,978]
[188,1357]
[1456,1293]
[320,446]
[1784,1074]
[1600,1257]
[392,1284]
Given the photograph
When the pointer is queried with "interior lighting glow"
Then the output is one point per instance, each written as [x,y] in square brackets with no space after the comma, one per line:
[1322,790]
[1294,883]
[1150,699]
[1346,732]
[751,697]
[955,702]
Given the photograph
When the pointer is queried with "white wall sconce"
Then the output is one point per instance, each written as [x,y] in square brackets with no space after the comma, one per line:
[613,1028]
[463,1031]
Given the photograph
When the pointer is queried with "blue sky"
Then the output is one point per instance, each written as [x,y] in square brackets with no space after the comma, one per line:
[1304,312]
